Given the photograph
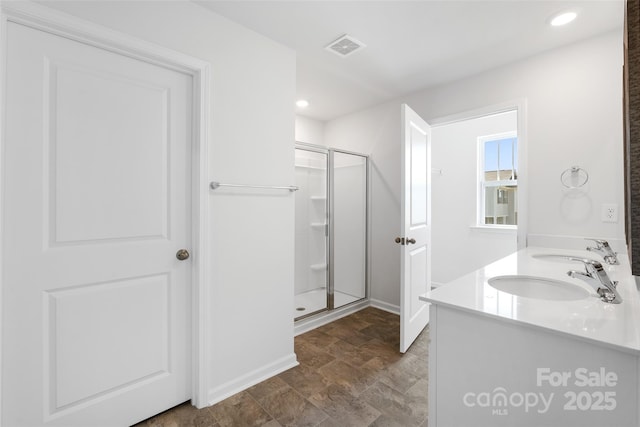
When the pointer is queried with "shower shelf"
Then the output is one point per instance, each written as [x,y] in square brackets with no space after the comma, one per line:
[318,198]
[318,224]
[318,267]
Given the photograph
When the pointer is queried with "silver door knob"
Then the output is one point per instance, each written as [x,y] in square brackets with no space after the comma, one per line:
[411,241]
[182,254]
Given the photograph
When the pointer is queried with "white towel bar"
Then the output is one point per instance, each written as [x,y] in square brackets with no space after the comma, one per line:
[214,185]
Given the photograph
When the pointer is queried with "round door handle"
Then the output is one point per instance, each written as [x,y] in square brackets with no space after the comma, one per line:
[411,241]
[182,254]
[398,239]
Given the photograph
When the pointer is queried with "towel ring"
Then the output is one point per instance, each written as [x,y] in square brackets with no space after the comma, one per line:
[574,177]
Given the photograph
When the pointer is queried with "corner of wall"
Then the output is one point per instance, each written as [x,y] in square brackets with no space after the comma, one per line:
[382,305]
[223,391]
[309,131]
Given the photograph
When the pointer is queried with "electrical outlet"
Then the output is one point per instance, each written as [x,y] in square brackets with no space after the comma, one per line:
[609,212]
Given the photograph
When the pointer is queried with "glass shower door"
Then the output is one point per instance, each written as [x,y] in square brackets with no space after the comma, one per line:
[311,232]
[349,228]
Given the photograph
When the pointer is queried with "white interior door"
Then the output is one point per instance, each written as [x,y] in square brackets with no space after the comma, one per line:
[97,201]
[416,226]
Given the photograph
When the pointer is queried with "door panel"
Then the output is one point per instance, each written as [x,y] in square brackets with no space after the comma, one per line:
[416,226]
[89,323]
[87,139]
[418,261]
[349,222]
[96,204]
[418,183]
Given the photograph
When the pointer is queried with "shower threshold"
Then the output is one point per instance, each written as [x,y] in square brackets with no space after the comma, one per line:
[316,300]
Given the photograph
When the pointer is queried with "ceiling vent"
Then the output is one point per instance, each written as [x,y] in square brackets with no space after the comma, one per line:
[345,46]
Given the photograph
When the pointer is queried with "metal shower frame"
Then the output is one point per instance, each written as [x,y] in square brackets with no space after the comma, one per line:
[330,251]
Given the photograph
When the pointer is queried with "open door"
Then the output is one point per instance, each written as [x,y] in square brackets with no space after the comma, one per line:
[415,239]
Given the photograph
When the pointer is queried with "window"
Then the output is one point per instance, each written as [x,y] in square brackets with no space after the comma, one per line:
[498,180]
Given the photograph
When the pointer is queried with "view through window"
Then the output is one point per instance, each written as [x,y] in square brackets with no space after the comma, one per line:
[498,180]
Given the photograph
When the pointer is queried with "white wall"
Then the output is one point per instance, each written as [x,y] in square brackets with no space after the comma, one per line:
[454,196]
[309,130]
[251,141]
[376,132]
[574,117]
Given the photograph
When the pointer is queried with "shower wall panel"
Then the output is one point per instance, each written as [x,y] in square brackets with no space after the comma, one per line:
[311,219]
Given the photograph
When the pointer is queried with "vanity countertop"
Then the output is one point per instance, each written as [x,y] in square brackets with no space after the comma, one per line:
[616,325]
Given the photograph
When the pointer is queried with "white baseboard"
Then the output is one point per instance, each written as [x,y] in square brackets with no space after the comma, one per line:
[250,379]
[310,323]
[382,305]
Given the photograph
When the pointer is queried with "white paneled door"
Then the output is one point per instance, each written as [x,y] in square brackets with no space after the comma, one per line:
[97,195]
[416,226]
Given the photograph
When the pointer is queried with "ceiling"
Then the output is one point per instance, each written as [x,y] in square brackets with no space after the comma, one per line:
[410,45]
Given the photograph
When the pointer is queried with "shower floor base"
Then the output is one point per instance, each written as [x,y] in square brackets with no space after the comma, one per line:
[315,300]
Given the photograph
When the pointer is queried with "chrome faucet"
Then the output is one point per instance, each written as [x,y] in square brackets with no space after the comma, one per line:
[603,249]
[596,276]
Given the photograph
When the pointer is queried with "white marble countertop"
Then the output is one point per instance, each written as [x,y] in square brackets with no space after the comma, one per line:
[616,325]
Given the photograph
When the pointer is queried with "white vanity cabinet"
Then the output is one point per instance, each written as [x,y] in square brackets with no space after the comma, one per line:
[496,359]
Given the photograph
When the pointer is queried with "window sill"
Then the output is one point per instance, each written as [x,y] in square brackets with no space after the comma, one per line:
[506,229]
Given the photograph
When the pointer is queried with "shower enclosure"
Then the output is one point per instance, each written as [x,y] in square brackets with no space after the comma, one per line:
[331,229]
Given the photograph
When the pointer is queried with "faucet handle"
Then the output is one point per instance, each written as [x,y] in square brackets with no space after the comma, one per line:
[586,261]
[590,265]
[600,242]
[611,259]
[603,248]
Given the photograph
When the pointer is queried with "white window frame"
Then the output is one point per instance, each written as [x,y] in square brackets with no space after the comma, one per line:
[482,184]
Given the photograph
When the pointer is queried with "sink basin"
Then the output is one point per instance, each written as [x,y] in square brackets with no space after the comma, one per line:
[538,287]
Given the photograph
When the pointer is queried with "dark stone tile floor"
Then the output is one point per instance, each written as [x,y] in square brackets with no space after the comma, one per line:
[350,374]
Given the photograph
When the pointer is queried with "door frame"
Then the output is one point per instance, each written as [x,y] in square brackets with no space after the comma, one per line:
[519,105]
[78,29]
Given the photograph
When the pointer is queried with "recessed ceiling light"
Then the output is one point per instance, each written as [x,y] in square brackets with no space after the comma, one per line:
[302,103]
[563,18]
